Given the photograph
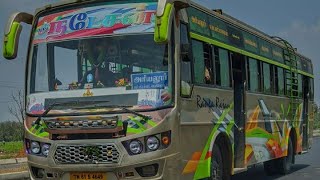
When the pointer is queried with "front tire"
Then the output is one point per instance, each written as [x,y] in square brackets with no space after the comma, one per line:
[270,167]
[216,164]
[285,163]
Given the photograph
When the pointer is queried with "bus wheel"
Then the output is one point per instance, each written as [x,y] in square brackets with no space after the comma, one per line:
[216,164]
[285,163]
[270,167]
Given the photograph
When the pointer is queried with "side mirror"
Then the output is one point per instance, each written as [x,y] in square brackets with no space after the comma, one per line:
[185,52]
[164,15]
[12,34]
[163,25]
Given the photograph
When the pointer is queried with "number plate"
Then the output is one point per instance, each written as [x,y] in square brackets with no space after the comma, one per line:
[88,176]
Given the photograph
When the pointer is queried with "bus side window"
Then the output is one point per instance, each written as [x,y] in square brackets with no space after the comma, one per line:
[222,65]
[279,80]
[266,78]
[199,70]
[300,88]
[186,59]
[208,65]
[311,95]
[253,75]
[203,64]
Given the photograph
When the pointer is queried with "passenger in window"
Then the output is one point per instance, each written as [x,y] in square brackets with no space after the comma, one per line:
[208,75]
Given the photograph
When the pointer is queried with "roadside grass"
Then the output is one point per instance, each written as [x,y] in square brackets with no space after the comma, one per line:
[11,150]
[316,125]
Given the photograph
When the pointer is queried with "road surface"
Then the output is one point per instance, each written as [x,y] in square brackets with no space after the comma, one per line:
[307,167]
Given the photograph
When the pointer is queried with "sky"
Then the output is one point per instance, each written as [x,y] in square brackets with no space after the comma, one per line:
[294,20]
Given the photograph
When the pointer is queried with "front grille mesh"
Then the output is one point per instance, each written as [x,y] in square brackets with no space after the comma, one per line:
[87,154]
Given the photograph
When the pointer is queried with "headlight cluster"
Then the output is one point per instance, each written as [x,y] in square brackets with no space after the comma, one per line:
[37,148]
[148,143]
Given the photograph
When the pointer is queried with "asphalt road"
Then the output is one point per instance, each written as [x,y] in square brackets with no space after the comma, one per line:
[307,166]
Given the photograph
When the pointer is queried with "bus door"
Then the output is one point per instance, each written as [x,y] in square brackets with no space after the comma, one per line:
[304,126]
[239,80]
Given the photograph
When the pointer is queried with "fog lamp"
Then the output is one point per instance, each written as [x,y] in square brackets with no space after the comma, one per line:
[148,171]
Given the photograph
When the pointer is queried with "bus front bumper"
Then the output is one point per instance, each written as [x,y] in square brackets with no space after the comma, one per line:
[165,167]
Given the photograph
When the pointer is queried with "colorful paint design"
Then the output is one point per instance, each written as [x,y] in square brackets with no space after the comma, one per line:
[201,161]
[96,20]
[136,124]
[265,138]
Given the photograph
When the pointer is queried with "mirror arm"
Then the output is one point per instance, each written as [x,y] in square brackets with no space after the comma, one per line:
[12,33]
[179,4]
[18,17]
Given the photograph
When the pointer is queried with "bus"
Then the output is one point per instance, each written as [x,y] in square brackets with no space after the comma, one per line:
[167,89]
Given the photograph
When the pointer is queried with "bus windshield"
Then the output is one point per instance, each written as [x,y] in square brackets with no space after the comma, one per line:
[106,59]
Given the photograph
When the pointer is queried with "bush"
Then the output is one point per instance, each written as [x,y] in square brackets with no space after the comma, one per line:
[11,131]
[316,121]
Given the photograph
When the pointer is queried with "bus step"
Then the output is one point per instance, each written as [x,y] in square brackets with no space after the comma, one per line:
[239,170]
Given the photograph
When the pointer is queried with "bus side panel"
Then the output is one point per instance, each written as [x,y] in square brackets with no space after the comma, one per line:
[311,122]
[208,112]
[267,128]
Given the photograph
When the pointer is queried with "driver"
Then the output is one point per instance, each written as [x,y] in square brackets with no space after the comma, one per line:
[96,54]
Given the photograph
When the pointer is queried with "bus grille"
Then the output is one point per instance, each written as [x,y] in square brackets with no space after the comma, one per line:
[87,154]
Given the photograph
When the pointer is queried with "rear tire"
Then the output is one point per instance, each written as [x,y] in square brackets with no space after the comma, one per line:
[285,163]
[270,167]
[216,164]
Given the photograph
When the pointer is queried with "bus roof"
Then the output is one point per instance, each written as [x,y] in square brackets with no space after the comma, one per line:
[223,16]
[243,26]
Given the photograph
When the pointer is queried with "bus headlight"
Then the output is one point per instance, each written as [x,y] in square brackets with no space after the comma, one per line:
[135,147]
[153,143]
[45,149]
[35,147]
[148,144]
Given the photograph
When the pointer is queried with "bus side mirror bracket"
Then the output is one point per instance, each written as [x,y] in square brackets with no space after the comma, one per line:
[164,15]
[12,33]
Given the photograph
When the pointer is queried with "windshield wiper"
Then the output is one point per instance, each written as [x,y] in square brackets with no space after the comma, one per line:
[122,107]
[51,106]
[144,117]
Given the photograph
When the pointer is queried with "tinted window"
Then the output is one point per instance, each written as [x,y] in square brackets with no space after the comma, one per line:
[208,65]
[311,89]
[299,85]
[280,81]
[266,78]
[203,66]
[197,49]
[222,67]
[253,75]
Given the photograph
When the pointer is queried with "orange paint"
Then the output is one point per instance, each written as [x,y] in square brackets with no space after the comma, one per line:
[253,120]
[192,164]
